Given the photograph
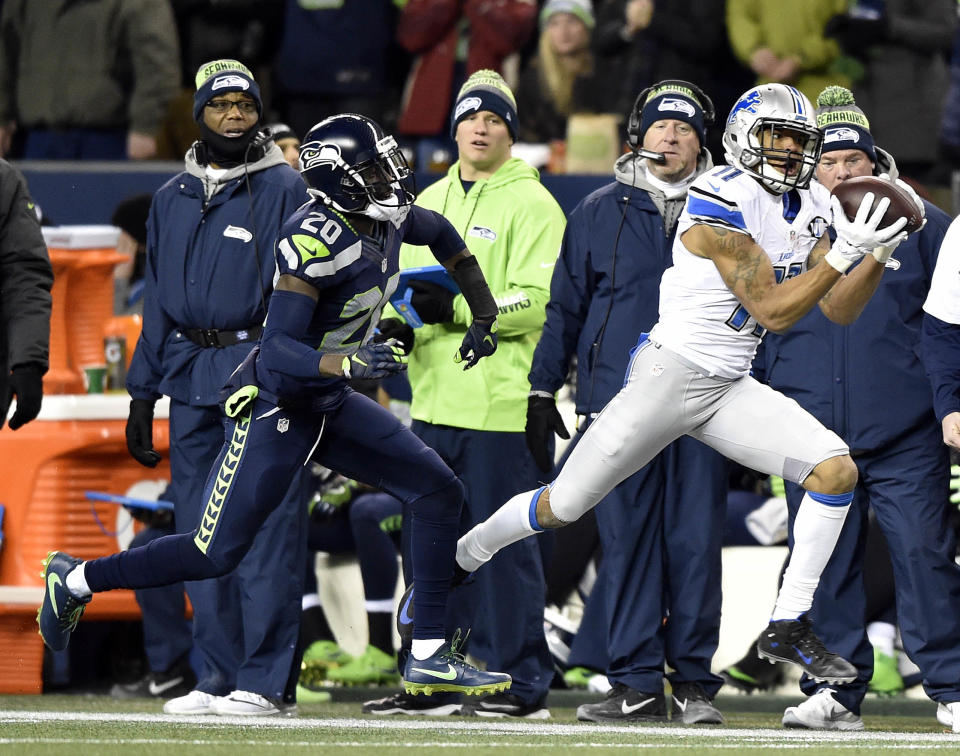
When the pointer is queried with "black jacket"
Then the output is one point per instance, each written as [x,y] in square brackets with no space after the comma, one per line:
[25,281]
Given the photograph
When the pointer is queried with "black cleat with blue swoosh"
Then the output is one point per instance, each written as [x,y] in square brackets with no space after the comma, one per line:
[61,610]
[794,641]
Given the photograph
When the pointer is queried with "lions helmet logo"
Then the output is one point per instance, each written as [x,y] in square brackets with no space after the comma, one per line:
[222,82]
[841,134]
[468,104]
[314,154]
[750,102]
[677,105]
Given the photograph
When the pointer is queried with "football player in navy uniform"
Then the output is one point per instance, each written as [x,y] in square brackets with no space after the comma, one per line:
[289,400]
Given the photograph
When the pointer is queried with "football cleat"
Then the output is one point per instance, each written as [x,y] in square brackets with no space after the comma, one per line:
[624,704]
[61,609]
[753,673]
[795,642]
[502,705]
[440,705]
[448,671]
[886,680]
[821,712]
[372,667]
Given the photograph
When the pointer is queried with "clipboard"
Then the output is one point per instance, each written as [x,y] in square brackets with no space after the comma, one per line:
[401,297]
[126,501]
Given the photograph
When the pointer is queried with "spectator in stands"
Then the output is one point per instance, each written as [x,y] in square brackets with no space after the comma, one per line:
[784,42]
[561,79]
[452,39]
[648,41]
[337,58]
[903,466]
[287,140]
[26,278]
[86,81]
[905,48]
[605,286]
[513,226]
[210,267]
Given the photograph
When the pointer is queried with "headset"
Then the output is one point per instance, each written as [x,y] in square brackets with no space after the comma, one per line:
[634,137]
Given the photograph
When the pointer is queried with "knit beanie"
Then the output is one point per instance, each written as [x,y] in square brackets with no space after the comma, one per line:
[675,102]
[485,90]
[131,216]
[221,76]
[582,9]
[844,125]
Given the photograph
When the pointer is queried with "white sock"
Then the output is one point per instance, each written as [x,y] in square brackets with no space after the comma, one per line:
[310,600]
[77,582]
[882,636]
[424,649]
[507,525]
[815,534]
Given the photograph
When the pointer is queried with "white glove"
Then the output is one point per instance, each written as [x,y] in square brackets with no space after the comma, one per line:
[860,236]
[883,252]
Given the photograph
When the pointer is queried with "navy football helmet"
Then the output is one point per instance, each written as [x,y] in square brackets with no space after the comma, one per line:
[349,164]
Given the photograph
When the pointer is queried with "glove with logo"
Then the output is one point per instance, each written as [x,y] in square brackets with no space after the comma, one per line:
[398,330]
[543,420]
[480,341]
[375,360]
[433,302]
[140,433]
[26,383]
[859,237]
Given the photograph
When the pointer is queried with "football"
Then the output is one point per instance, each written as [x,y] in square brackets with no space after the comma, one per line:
[850,193]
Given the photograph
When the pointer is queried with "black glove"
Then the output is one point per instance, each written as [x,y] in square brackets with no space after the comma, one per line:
[543,420]
[855,34]
[140,432]
[480,341]
[26,383]
[433,302]
[394,328]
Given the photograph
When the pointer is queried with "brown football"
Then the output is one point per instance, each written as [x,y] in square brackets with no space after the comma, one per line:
[850,193]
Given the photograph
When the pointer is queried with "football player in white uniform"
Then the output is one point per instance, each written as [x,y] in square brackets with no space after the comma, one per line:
[751,253]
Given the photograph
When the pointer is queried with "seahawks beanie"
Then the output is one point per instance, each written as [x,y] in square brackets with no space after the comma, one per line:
[485,90]
[220,76]
[675,102]
[844,125]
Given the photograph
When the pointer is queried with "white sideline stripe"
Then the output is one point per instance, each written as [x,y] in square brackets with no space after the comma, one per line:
[497,727]
[21,594]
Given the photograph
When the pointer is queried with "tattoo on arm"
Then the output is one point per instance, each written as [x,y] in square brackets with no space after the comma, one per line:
[739,249]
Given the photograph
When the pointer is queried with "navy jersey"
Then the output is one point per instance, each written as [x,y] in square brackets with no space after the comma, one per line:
[355,275]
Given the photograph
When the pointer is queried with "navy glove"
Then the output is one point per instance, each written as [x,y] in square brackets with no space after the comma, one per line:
[398,330]
[480,341]
[374,360]
[26,383]
[140,432]
[433,302]
[543,420]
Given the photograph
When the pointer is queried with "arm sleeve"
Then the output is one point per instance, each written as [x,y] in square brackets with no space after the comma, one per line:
[940,350]
[429,228]
[281,348]
[26,276]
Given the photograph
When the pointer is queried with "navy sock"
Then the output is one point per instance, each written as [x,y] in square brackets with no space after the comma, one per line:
[433,546]
[163,561]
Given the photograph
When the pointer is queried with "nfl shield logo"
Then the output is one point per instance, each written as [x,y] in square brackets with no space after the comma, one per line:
[283,424]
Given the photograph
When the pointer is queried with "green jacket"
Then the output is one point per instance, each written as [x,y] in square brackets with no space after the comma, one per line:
[513,226]
[74,64]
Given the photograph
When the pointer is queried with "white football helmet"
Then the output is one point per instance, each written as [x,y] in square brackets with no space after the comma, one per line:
[753,120]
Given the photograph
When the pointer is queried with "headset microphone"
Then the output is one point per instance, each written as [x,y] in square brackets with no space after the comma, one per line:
[656,157]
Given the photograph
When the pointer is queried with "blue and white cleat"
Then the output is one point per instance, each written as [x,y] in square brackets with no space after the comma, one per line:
[61,610]
[448,671]
[794,642]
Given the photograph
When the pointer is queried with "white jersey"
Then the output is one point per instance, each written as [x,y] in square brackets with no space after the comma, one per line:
[700,318]
[943,301]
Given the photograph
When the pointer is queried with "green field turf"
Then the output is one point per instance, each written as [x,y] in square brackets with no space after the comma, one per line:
[90,725]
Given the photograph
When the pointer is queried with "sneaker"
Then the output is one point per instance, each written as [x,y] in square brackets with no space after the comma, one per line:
[176,681]
[61,609]
[439,705]
[447,670]
[312,695]
[692,705]
[886,680]
[506,705]
[794,641]
[195,702]
[822,712]
[578,677]
[948,714]
[624,704]
[373,667]
[322,656]
[753,673]
[246,703]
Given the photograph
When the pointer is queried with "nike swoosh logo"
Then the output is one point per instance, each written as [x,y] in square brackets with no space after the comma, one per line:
[547,264]
[682,705]
[53,580]
[627,709]
[157,688]
[450,674]
[405,618]
[806,659]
